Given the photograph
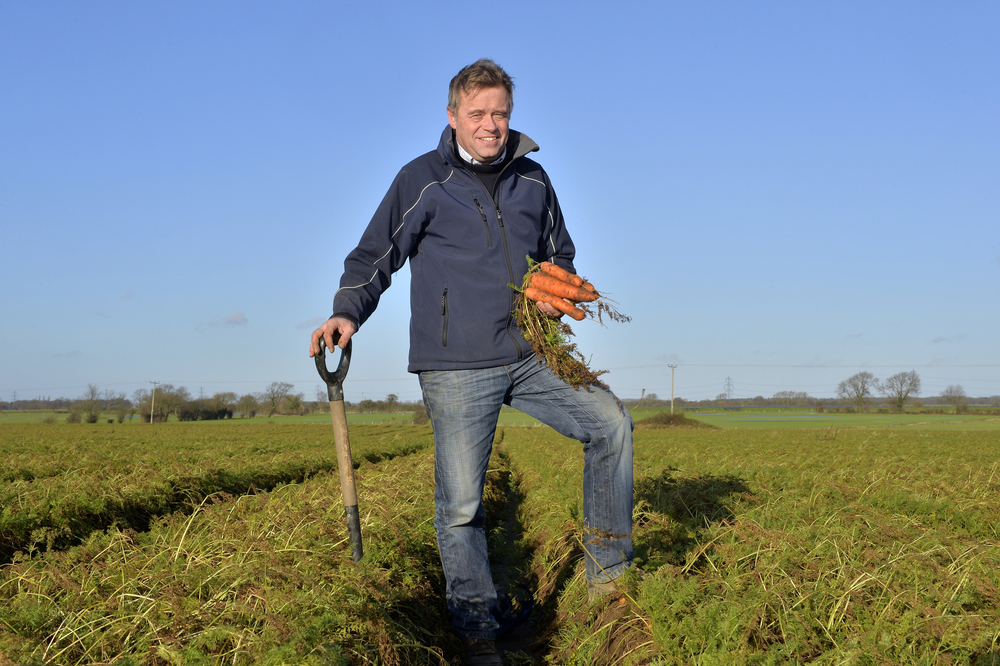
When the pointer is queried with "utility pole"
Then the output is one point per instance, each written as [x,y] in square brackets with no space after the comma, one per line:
[672,368]
[153,403]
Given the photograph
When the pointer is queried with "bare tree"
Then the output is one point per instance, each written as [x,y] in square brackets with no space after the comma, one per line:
[274,394]
[955,396]
[293,403]
[858,389]
[169,399]
[248,405]
[800,398]
[900,387]
[92,403]
[121,406]
[223,401]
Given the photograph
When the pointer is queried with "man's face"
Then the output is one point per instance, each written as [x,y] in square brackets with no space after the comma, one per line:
[480,123]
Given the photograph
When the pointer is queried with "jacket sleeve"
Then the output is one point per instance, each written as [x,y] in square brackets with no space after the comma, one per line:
[559,248]
[392,234]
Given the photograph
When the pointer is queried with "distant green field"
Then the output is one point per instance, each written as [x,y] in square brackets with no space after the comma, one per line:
[813,420]
[763,419]
[507,417]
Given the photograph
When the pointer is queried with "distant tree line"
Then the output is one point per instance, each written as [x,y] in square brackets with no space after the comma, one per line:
[860,389]
[860,392]
[168,401]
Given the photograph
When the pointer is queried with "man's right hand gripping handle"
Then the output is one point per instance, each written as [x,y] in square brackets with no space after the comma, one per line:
[344,328]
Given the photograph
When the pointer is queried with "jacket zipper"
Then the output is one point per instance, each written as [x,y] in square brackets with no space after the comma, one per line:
[506,254]
[486,224]
[444,315]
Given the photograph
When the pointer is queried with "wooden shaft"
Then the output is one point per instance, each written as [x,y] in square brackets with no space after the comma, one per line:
[344,463]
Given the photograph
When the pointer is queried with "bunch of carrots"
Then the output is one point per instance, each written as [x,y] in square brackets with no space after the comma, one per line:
[572,295]
[560,289]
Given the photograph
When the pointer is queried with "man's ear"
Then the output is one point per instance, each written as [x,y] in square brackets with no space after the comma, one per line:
[451,118]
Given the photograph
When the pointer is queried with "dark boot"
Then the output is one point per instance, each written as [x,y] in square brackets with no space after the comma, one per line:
[481,652]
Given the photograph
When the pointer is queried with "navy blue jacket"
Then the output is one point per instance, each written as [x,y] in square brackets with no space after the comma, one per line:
[465,246]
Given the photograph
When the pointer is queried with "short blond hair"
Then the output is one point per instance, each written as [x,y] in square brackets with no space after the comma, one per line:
[484,73]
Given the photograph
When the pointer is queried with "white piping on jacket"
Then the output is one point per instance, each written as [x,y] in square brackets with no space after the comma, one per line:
[548,210]
[393,234]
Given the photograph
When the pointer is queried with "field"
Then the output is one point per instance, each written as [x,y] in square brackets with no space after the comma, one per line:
[809,419]
[765,543]
[507,417]
[772,418]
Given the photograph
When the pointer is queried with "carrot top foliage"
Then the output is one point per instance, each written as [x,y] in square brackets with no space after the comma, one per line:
[550,338]
[769,546]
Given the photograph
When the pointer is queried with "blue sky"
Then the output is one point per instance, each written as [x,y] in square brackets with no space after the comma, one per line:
[781,193]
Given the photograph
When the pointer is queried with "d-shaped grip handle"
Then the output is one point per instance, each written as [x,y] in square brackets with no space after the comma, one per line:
[334,381]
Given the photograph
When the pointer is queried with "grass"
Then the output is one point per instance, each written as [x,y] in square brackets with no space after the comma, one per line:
[798,419]
[858,545]
[865,546]
[259,579]
[667,420]
[794,418]
[508,416]
[59,483]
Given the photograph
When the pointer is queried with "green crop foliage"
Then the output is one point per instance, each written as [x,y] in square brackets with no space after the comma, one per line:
[783,546]
[59,483]
[264,578]
[226,544]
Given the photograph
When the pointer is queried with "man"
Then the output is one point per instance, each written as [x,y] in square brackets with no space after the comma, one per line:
[467,216]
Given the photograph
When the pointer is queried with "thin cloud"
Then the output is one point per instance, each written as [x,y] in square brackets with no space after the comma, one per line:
[234,319]
[311,323]
[127,295]
[941,338]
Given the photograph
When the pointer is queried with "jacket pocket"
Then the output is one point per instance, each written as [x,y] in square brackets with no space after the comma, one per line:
[486,224]
[444,318]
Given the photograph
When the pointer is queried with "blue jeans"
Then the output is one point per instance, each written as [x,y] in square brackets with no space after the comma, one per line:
[464,406]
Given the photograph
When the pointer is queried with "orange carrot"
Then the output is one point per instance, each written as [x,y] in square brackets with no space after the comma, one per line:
[589,287]
[560,304]
[561,289]
[560,273]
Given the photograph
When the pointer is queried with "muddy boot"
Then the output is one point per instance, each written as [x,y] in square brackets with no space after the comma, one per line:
[597,591]
[481,652]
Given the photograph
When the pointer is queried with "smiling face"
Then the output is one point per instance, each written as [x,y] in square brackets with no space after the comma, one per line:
[481,122]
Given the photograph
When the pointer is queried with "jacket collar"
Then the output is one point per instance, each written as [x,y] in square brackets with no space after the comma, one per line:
[519,144]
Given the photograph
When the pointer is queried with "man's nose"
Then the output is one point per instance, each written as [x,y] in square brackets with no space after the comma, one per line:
[489,124]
